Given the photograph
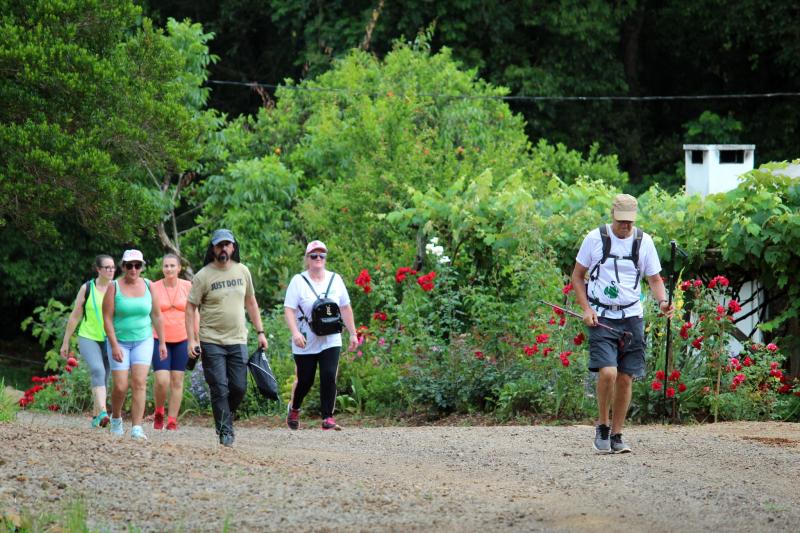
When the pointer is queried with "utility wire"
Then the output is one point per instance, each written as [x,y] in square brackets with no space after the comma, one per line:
[523,97]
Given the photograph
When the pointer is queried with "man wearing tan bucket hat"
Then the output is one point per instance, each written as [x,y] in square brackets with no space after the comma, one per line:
[616,257]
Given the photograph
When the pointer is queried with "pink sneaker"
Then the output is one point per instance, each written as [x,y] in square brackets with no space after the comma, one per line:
[330,423]
[293,418]
[172,424]
[158,421]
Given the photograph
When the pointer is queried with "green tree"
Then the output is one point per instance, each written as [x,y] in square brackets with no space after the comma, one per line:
[95,111]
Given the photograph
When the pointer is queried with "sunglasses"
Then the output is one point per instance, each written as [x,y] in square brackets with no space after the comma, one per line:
[108,268]
[317,256]
[128,266]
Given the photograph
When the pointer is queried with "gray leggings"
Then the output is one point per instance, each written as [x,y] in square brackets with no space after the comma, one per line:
[95,355]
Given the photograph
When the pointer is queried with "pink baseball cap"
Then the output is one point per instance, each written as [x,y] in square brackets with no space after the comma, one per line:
[132,255]
[316,245]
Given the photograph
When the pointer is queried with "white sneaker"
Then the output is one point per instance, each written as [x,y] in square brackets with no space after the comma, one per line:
[138,433]
[116,427]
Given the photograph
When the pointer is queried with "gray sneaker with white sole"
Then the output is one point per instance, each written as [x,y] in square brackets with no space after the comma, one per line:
[602,441]
[618,445]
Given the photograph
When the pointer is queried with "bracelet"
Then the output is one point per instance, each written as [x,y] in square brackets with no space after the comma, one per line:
[260,332]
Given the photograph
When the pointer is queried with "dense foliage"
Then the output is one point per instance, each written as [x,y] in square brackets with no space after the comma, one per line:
[550,48]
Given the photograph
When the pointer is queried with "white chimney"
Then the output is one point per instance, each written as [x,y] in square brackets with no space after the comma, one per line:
[713,168]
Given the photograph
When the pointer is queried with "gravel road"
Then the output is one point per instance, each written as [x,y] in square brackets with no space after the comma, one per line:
[723,477]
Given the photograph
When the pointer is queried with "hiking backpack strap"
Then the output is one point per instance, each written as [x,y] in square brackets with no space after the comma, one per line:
[637,242]
[86,293]
[595,272]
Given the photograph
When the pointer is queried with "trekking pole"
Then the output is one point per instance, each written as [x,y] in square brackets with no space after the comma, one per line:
[670,286]
[576,315]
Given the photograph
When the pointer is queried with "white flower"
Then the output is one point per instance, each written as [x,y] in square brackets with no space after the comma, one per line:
[434,240]
[444,260]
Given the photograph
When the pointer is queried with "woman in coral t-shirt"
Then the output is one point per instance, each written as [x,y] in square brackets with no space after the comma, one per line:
[172,292]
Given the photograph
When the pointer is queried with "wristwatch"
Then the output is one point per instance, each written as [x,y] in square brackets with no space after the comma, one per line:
[260,332]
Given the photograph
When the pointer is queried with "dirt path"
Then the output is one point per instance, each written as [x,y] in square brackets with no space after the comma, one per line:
[725,477]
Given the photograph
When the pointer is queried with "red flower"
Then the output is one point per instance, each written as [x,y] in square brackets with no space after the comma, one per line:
[546,351]
[721,280]
[552,321]
[698,342]
[363,280]
[747,361]
[530,350]
[681,387]
[656,385]
[675,375]
[660,375]
[685,330]
[734,307]
[698,283]
[565,354]
[544,337]
[565,361]
[686,285]
[53,407]
[670,392]
[562,321]
[773,365]
[579,338]
[402,272]
[558,311]
[784,389]
[720,310]
[567,288]
[72,362]
[772,347]
[379,315]
[478,354]
[426,281]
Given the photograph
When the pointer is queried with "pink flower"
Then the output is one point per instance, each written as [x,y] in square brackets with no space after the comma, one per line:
[381,341]
[698,283]
[772,347]
[72,362]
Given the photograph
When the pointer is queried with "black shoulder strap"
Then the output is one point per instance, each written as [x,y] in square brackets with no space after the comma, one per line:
[310,286]
[606,242]
[333,275]
[86,295]
[637,241]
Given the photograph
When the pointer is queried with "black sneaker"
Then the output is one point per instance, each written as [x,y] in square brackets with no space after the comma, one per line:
[618,445]
[226,439]
[602,442]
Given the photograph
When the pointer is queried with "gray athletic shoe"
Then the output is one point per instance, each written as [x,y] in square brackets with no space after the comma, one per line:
[602,442]
[618,445]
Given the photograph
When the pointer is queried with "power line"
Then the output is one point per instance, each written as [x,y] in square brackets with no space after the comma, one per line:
[523,97]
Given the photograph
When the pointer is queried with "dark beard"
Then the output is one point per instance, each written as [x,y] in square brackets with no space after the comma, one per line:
[222,257]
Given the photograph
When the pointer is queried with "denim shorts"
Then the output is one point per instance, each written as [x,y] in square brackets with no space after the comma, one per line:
[133,353]
[605,349]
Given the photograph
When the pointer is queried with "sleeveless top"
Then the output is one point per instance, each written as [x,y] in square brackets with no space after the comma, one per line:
[132,315]
[91,326]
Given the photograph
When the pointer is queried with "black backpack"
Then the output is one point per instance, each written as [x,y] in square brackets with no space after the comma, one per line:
[326,317]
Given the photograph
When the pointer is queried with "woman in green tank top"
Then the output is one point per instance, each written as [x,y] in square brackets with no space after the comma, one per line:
[130,313]
[87,311]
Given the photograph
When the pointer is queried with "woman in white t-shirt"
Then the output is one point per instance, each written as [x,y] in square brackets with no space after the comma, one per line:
[312,350]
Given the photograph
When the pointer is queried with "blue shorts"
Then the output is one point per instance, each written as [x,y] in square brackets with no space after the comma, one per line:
[177,355]
[606,350]
[133,353]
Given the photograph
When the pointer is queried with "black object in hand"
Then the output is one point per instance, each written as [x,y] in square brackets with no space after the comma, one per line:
[190,364]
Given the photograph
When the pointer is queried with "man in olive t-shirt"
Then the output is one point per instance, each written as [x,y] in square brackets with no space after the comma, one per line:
[222,290]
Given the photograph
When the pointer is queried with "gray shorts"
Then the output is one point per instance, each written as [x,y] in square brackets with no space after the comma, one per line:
[605,350]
